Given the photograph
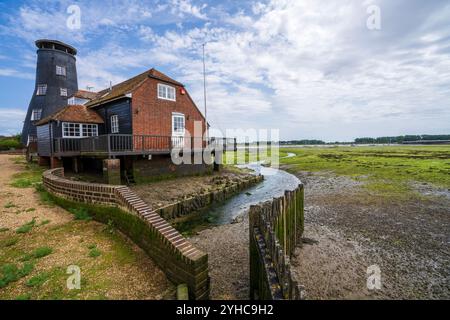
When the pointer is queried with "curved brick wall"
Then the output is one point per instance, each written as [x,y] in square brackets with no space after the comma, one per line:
[176,256]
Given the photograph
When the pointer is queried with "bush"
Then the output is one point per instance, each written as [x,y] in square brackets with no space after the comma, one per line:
[10,143]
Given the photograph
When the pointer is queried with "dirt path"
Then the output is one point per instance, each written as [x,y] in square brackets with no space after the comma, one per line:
[112,267]
[22,201]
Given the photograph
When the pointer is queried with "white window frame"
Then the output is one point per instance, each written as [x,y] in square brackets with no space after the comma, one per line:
[178,133]
[81,128]
[41,90]
[115,123]
[36,114]
[63,92]
[165,92]
[61,71]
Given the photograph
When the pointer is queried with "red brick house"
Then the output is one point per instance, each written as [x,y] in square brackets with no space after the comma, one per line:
[136,123]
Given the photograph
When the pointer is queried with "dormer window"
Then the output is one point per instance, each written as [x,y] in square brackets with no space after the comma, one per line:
[166,92]
[36,114]
[60,71]
[63,92]
[41,90]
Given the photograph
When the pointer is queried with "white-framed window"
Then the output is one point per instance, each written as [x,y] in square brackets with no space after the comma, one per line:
[63,92]
[79,130]
[178,124]
[41,90]
[60,70]
[166,92]
[115,124]
[89,130]
[71,130]
[36,114]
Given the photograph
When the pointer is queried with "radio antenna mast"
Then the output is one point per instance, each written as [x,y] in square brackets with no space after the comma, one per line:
[204,89]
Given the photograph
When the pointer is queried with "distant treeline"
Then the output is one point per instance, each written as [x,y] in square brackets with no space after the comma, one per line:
[401,139]
[304,142]
[379,140]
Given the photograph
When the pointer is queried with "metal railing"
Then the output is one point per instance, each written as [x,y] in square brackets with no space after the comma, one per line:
[127,143]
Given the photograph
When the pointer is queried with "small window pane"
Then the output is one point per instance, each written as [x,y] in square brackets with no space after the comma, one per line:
[115,124]
[71,129]
[36,114]
[41,90]
[63,92]
[60,70]
[178,124]
[166,92]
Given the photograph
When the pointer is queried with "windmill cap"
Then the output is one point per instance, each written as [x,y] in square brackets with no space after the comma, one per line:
[55,44]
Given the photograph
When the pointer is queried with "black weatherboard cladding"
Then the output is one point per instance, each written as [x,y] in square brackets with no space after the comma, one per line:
[122,109]
[50,54]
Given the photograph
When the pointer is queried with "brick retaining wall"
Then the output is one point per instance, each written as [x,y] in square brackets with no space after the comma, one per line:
[198,202]
[182,262]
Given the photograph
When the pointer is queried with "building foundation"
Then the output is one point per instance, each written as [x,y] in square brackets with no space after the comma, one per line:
[111,171]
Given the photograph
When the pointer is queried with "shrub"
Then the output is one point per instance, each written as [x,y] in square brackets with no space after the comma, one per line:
[10,143]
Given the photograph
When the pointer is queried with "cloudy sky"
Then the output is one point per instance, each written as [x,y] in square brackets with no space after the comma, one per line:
[311,68]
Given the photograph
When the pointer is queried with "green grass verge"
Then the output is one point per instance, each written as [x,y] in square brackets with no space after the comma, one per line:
[386,170]
[27,178]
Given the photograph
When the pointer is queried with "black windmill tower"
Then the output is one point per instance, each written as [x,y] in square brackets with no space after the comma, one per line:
[56,79]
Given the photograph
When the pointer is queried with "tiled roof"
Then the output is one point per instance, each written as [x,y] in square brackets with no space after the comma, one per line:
[83,94]
[74,113]
[123,88]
